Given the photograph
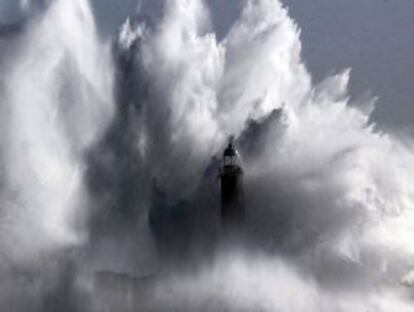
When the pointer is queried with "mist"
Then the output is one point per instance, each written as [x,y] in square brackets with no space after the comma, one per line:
[109,162]
[56,99]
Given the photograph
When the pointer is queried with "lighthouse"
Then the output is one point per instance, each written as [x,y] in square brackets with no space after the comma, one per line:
[231,189]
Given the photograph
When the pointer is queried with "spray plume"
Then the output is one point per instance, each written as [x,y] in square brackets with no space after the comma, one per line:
[329,198]
[56,98]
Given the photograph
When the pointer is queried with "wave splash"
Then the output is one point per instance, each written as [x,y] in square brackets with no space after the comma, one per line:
[329,197]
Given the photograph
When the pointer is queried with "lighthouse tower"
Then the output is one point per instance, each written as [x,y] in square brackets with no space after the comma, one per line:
[231,187]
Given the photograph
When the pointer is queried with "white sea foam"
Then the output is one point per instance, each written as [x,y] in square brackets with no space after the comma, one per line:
[56,99]
[335,194]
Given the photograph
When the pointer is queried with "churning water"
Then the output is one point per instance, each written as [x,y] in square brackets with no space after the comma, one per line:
[86,124]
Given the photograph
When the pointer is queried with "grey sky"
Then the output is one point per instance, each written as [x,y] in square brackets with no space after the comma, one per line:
[9,12]
[373,37]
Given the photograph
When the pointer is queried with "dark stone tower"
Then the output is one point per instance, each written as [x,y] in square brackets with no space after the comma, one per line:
[231,178]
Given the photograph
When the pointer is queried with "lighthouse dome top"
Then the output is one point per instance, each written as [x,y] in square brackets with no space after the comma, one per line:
[230,150]
[231,156]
